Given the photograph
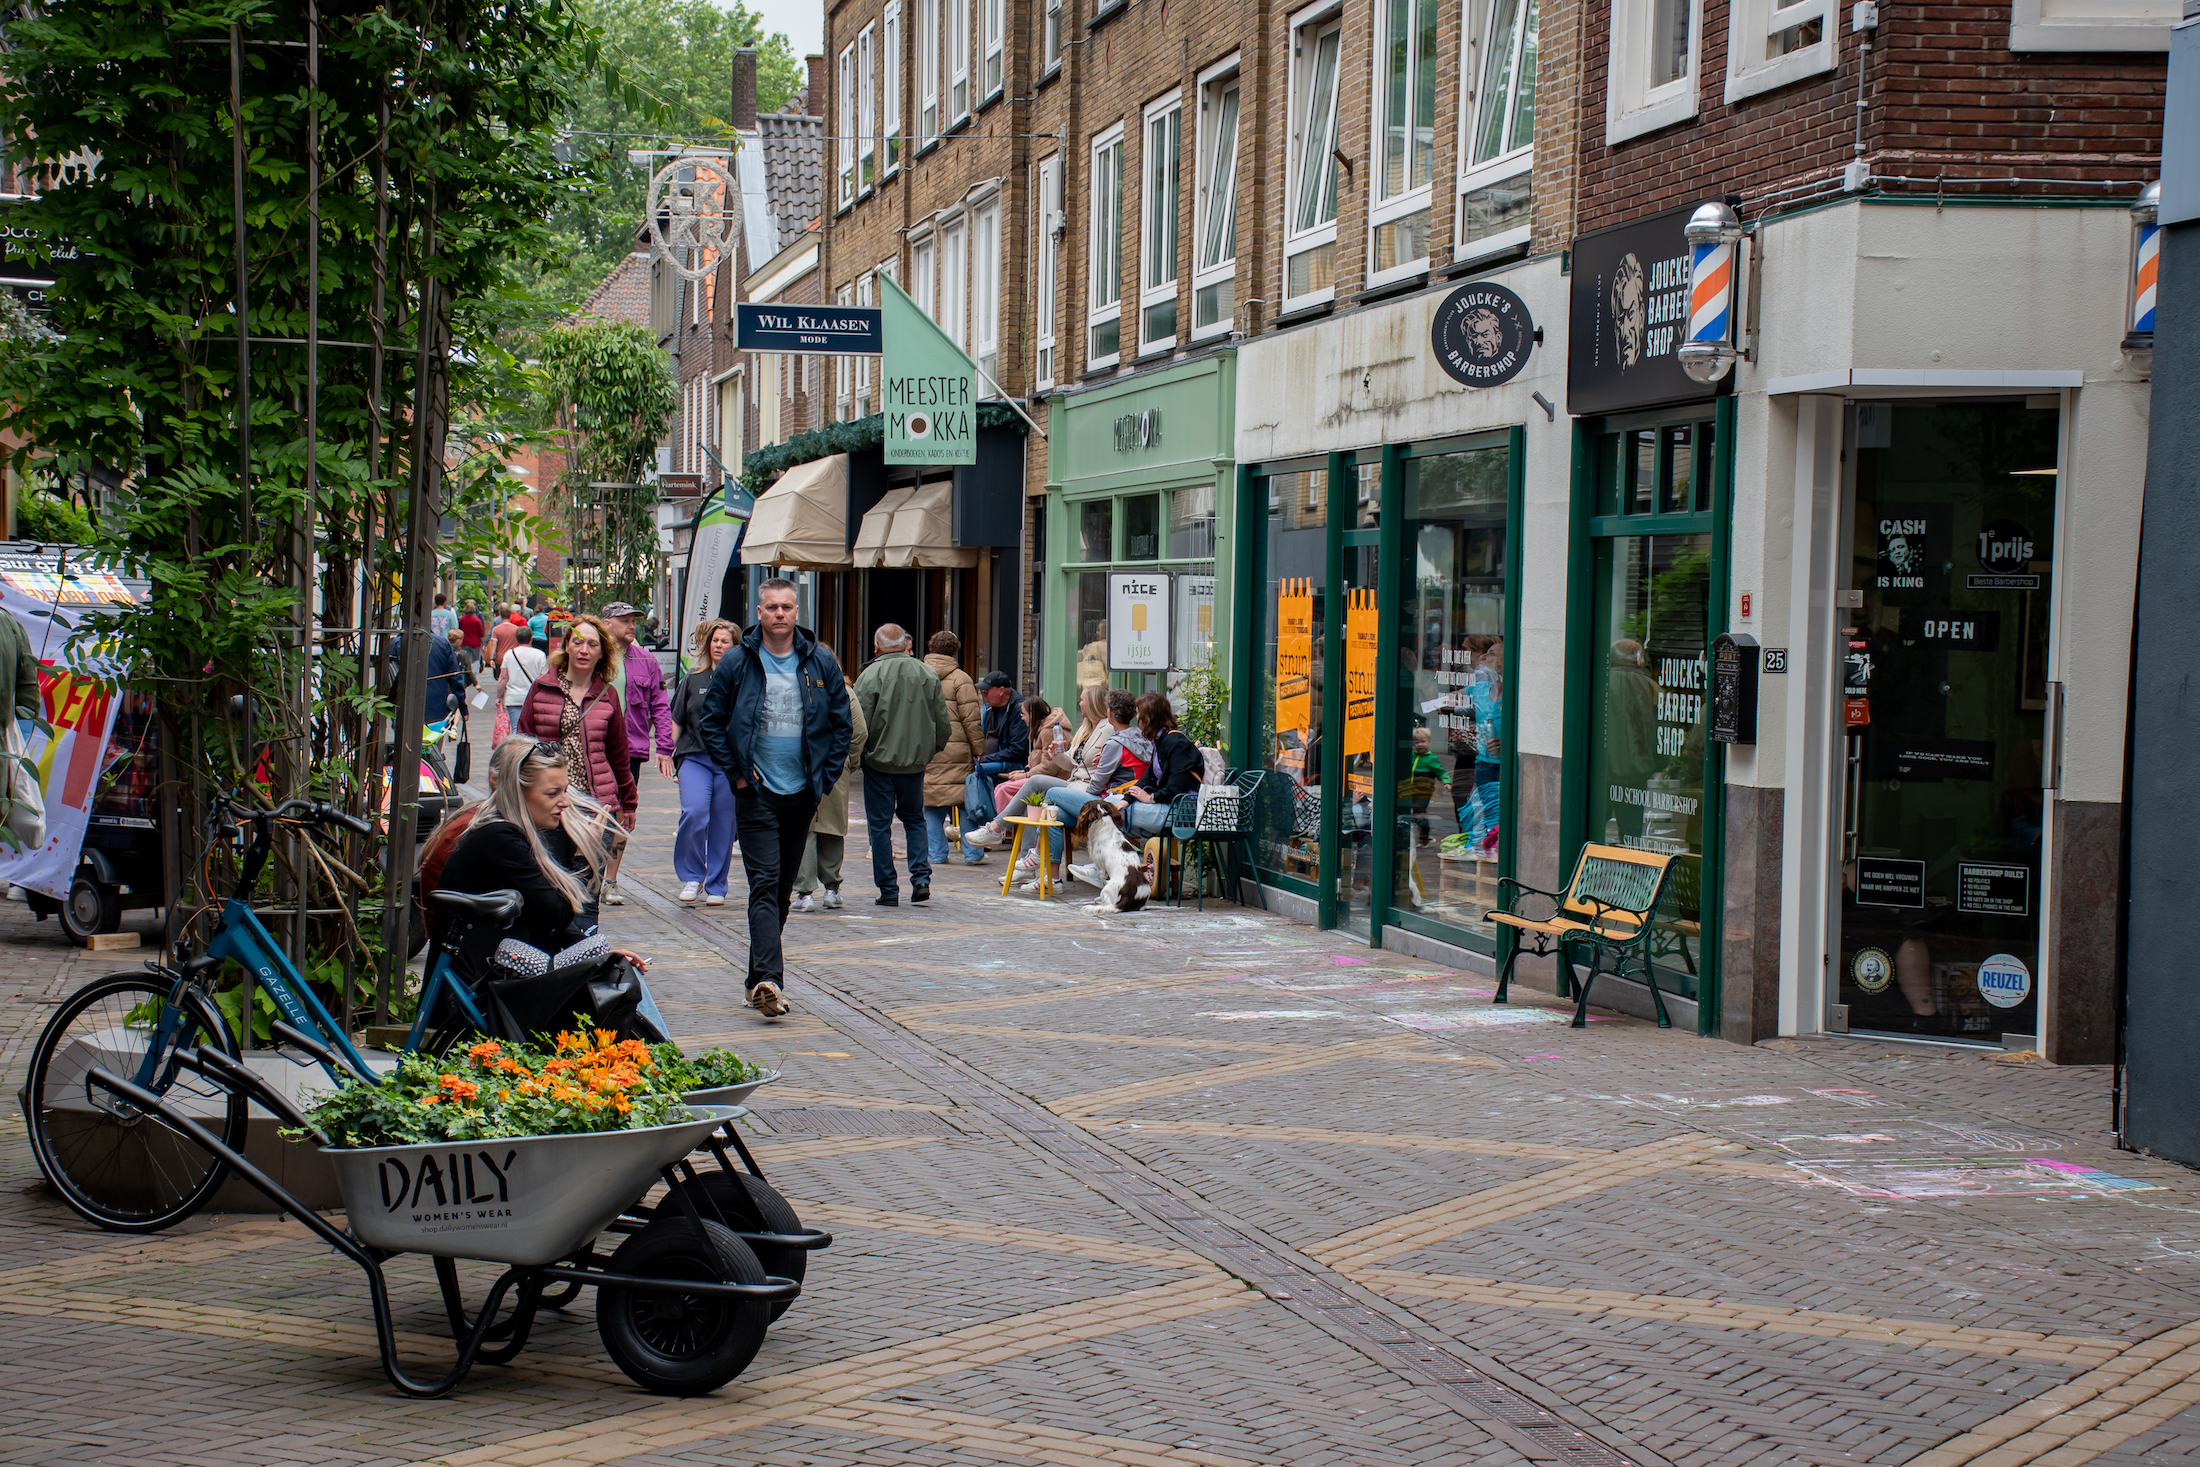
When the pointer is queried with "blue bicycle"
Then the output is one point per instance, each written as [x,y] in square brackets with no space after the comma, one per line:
[131,1170]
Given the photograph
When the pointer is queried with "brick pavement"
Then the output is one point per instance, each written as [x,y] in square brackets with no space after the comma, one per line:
[1213,1189]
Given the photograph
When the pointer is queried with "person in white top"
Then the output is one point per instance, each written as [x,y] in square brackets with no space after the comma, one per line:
[522,665]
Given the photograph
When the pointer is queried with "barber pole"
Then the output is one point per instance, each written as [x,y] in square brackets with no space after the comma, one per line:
[2146,264]
[2142,278]
[1710,291]
[1708,352]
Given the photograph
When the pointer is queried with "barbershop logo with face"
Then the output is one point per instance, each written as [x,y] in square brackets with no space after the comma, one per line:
[1482,335]
[1630,310]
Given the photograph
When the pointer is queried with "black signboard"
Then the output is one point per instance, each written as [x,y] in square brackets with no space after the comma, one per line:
[1958,631]
[1993,889]
[1734,688]
[1628,317]
[2005,546]
[814,330]
[1884,882]
[1482,334]
[1913,546]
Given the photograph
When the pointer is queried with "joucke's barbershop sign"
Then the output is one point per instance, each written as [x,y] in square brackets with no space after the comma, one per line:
[1629,316]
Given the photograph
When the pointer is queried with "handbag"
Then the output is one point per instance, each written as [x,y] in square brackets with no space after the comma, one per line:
[26,818]
[1218,810]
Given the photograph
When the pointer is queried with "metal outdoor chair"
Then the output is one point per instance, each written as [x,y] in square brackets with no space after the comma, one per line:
[1234,836]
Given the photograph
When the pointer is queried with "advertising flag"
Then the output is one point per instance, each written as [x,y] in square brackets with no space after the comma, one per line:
[931,398]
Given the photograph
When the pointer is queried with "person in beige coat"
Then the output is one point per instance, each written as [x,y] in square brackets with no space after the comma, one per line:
[828,840]
[944,776]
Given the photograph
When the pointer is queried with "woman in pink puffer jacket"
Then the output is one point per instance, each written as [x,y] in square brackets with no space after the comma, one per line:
[575,707]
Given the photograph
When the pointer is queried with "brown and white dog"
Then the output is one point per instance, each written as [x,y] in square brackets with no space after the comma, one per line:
[1117,867]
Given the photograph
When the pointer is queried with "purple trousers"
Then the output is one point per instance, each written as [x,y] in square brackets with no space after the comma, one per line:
[702,848]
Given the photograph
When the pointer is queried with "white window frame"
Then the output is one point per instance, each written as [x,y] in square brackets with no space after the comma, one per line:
[844,368]
[1216,83]
[995,17]
[866,295]
[867,107]
[924,274]
[1633,107]
[890,91]
[844,174]
[768,374]
[985,287]
[2092,25]
[931,124]
[958,61]
[1050,44]
[889,269]
[1755,26]
[1159,273]
[954,317]
[1103,245]
[732,394]
[1517,161]
[1307,30]
[1412,198]
[1047,298]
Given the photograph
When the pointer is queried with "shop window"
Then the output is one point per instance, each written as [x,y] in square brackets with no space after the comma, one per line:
[1405,91]
[1310,245]
[1157,282]
[1651,82]
[1050,264]
[1659,471]
[1496,182]
[1088,626]
[1214,273]
[890,95]
[1192,523]
[1288,716]
[1104,321]
[1096,530]
[1142,527]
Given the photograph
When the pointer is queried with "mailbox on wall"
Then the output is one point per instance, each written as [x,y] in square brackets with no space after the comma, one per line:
[1734,688]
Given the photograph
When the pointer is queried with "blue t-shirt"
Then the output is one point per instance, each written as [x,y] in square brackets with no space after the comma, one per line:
[779,730]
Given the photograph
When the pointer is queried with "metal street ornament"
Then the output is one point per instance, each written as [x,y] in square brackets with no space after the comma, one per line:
[693,217]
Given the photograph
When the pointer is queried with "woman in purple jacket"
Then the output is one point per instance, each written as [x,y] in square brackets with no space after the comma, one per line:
[648,717]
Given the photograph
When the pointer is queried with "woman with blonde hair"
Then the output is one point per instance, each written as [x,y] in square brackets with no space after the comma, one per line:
[702,850]
[576,708]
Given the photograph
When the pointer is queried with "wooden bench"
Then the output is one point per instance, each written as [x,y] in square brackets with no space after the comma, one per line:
[1610,907]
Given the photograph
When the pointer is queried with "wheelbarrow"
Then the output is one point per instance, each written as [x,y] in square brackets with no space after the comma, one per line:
[683,1301]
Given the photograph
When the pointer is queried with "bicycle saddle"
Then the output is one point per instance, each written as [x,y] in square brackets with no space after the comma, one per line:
[494,906]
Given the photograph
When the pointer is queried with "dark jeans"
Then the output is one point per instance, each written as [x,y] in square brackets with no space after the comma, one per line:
[884,797]
[774,828]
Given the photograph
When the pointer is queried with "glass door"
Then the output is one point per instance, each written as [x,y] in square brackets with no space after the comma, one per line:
[1287,715]
[1943,699]
[1360,861]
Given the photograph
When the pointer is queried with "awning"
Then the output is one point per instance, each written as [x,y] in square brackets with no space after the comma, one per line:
[871,535]
[802,521]
[922,532]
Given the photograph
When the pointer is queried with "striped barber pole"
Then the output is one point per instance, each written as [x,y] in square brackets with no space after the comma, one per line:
[2143,274]
[1710,281]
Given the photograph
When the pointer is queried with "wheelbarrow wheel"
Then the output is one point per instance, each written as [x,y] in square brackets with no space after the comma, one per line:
[682,1344]
[777,1215]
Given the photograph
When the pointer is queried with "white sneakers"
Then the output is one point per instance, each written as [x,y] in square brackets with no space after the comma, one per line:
[985,838]
[828,900]
[689,891]
[802,902]
[765,999]
[715,899]
[611,897]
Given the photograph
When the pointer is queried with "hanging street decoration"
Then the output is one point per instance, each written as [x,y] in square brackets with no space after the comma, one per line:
[693,213]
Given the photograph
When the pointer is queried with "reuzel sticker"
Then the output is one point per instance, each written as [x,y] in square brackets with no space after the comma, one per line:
[2004,981]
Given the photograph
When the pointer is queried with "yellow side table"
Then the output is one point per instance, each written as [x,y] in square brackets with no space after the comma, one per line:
[1016,846]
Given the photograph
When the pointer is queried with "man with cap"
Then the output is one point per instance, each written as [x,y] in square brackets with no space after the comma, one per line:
[648,716]
[1007,750]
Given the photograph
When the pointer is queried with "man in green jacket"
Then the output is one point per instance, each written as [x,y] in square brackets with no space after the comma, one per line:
[906,715]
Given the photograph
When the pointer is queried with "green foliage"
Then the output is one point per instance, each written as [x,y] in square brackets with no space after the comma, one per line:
[1202,702]
[49,517]
[709,1070]
[609,391]
[761,469]
[682,52]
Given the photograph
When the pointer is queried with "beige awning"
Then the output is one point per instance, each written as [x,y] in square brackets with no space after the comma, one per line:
[923,531]
[872,533]
[802,521]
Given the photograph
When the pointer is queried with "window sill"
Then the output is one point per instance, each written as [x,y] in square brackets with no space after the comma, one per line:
[1785,71]
[1105,14]
[1099,370]
[1394,288]
[992,97]
[1220,331]
[1620,127]
[1309,311]
[1160,351]
[1052,73]
[1481,255]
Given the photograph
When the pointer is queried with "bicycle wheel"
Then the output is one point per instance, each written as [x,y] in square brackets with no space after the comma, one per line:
[125,1169]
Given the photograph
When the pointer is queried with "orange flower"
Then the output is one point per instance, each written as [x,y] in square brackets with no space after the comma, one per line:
[488,1049]
[430,1100]
[463,1089]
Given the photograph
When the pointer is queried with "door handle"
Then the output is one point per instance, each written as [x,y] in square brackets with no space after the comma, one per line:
[2051,740]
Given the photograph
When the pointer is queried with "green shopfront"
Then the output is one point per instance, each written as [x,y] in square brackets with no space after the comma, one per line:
[1136,573]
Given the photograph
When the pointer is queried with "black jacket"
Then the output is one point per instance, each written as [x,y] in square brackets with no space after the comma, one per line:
[494,855]
[1007,723]
[735,703]
[1177,768]
[446,679]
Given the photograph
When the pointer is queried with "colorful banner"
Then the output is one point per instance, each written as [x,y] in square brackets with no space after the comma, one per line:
[81,707]
[931,387]
[1295,658]
[1360,625]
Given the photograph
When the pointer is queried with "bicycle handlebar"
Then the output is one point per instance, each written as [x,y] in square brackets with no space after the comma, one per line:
[304,812]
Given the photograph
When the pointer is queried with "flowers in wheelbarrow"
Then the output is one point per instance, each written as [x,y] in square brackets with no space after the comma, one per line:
[590,1080]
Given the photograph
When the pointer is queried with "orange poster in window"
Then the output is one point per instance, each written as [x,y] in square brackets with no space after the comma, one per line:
[1360,623]
[1294,658]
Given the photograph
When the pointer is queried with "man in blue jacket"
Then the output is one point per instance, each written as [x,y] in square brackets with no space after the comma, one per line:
[776,720]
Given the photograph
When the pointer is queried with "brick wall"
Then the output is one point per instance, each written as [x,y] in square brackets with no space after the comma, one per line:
[1945,99]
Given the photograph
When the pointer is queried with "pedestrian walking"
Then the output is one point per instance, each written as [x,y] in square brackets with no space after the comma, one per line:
[442,619]
[828,843]
[446,679]
[471,630]
[524,663]
[906,715]
[648,713]
[575,707]
[776,719]
[502,634]
[702,848]
[946,775]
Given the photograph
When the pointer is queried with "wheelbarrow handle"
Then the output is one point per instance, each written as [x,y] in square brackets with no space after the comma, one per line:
[221,1069]
[777,1288]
